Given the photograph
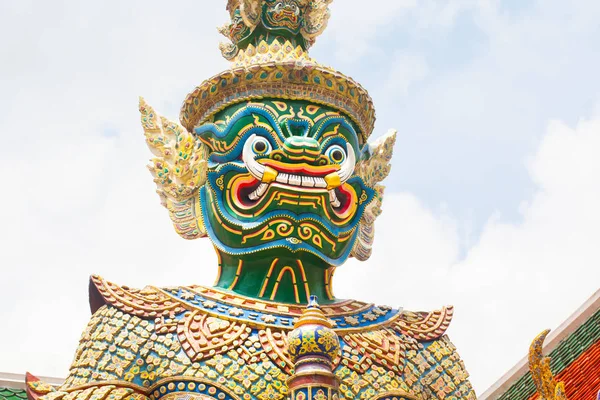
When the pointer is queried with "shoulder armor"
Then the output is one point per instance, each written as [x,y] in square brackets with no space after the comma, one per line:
[424,326]
[147,303]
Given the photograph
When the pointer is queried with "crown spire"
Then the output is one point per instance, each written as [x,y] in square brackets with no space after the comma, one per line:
[257,22]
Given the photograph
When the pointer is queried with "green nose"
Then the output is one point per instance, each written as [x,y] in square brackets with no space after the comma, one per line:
[301,148]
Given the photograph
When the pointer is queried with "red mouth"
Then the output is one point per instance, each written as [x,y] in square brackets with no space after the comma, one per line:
[243,188]
[285,14]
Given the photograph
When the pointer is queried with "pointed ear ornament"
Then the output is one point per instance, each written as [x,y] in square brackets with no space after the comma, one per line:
[179,169]
[317,18]
[251,11]
[374,167]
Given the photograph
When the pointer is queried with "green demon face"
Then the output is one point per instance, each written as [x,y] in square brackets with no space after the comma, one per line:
[237,31]
[283,14]
[281,176]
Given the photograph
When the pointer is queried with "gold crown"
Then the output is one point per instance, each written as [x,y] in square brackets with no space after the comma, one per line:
[272,69]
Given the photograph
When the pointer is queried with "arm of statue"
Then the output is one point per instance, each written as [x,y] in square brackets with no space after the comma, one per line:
[107,361]
[179,169]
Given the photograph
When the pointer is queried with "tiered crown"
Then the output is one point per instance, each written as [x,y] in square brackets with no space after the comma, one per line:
[269,51]
[252,21]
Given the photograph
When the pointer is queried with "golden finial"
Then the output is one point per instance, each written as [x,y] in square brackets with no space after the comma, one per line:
[539,365]
[313,347]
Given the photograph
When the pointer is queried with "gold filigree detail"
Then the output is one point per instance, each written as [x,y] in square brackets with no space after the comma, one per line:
[291,80]
[275,344]
[203,336]
[149,302]
[220,182]
[383,347]
[251,11]
[316,19]
[119,347]
[102,391]
[179,169]
[274,52]
[373,169]
[424,326]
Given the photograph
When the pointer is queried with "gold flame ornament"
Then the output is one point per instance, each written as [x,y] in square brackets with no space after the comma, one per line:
[539,365]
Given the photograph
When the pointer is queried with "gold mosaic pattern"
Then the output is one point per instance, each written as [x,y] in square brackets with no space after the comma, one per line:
[145,303]
[162,305]
[425,325]
[389,348]
[265,52]
[118,347]
[285,80]
[203,336]
[437,372]
[108,392]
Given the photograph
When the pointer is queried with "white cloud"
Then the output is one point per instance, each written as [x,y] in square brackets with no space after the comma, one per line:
[519,278]
[354,25]
[407,70]
[362,29]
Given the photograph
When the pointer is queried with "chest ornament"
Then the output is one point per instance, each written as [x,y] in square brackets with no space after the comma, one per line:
[210,322]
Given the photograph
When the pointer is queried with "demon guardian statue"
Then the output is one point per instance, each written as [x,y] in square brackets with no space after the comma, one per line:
[270,161]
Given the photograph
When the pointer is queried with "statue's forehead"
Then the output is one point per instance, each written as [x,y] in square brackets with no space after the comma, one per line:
[283,110]
[315,115]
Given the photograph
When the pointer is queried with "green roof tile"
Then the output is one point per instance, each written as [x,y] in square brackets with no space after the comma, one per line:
[12,394]
[562,356]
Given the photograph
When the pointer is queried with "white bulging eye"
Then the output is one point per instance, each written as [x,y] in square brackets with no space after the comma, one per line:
[261,146]
[336,154]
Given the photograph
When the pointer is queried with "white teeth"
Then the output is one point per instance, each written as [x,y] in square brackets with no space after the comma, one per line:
[282,178]
[259,192]
[308,181]
[298,180]
[295,180]
[320,183]
[333,199]
[304,181]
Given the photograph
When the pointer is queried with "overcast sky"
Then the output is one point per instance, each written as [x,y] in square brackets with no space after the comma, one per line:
[492,204]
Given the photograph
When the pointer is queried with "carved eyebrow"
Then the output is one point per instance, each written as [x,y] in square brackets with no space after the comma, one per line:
[215,135]
[251,109]
[332,126]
